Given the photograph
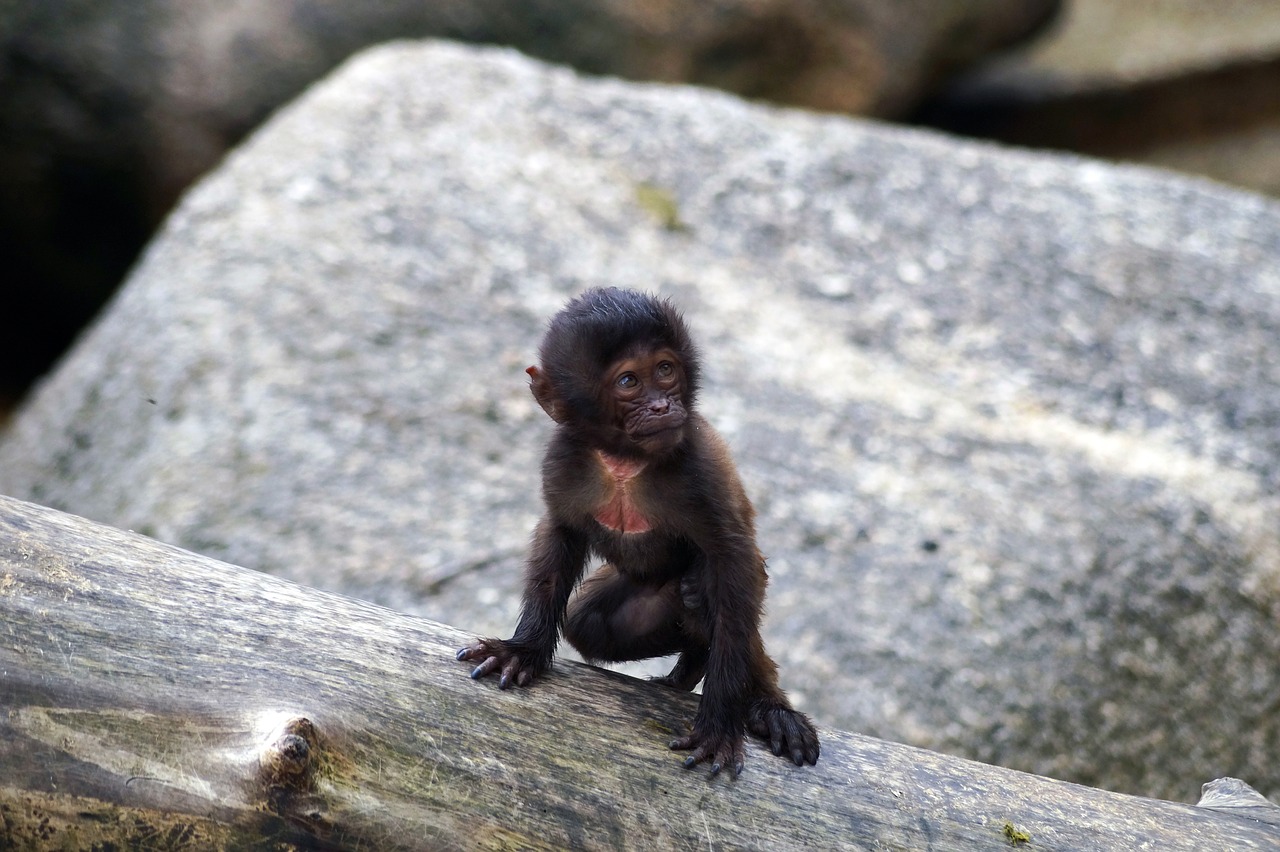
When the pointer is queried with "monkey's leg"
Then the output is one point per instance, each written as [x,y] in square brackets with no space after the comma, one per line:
[614,619]
[692,664]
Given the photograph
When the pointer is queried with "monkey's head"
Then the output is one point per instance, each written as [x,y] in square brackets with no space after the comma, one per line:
[620,370]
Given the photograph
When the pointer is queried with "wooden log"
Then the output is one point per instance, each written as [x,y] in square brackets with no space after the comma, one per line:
[154,698]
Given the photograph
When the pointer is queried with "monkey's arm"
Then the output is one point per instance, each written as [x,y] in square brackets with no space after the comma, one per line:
[555,565]
[733,581]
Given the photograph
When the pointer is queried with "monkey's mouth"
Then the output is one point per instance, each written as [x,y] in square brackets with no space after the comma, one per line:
[661,440]
[658,427]
[654,431]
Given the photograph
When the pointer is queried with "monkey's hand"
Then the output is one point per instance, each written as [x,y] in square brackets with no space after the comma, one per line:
[788,732]
[723,749]
[518,663]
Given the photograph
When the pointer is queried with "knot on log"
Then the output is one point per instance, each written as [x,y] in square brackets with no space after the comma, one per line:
[287,763]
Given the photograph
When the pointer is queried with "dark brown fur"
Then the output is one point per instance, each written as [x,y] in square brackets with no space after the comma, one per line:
[635,475]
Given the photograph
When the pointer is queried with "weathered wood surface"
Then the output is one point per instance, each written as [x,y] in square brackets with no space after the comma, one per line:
[146,695]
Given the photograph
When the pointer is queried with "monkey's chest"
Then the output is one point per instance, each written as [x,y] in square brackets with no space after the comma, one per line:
[621,514]
[619,509]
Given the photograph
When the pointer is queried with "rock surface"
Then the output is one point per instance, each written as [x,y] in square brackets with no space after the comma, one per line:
[112,107]
[1011,421]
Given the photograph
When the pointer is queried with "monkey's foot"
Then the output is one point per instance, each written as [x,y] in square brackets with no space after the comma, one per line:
[788,732]
[518,664]
[723,750]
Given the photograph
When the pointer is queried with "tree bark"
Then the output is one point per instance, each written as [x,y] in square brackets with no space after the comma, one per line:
[154,698]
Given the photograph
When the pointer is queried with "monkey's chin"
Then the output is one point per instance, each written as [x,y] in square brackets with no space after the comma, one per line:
[660,442]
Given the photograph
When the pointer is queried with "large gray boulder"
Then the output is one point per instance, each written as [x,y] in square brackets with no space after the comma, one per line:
[110,108]
[1011,421]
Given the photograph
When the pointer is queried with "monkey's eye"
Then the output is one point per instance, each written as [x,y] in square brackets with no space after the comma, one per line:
[664,370]
[627,381]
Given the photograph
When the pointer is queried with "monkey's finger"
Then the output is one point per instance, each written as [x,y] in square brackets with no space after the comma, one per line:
[794,739]
[804,747]
[510,673]
[800,747]
[698,756]
[805,751]
[729,755]
[476,650]
[724,758]
[682,743]
[488,667]
[700,751]
[804,742]
[776,736]
[812,750]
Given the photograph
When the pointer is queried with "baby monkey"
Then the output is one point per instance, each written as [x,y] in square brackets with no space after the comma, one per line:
[636,476]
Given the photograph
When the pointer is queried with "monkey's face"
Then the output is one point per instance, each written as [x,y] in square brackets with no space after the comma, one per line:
[645,394]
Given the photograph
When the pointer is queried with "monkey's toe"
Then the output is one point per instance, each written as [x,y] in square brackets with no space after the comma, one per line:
[484,669]
[721,751]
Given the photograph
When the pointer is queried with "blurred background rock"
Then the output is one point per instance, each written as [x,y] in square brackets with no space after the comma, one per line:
[1181,84]
[109,109]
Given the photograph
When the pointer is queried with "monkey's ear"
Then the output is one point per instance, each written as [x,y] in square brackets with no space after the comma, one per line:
[546,397]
